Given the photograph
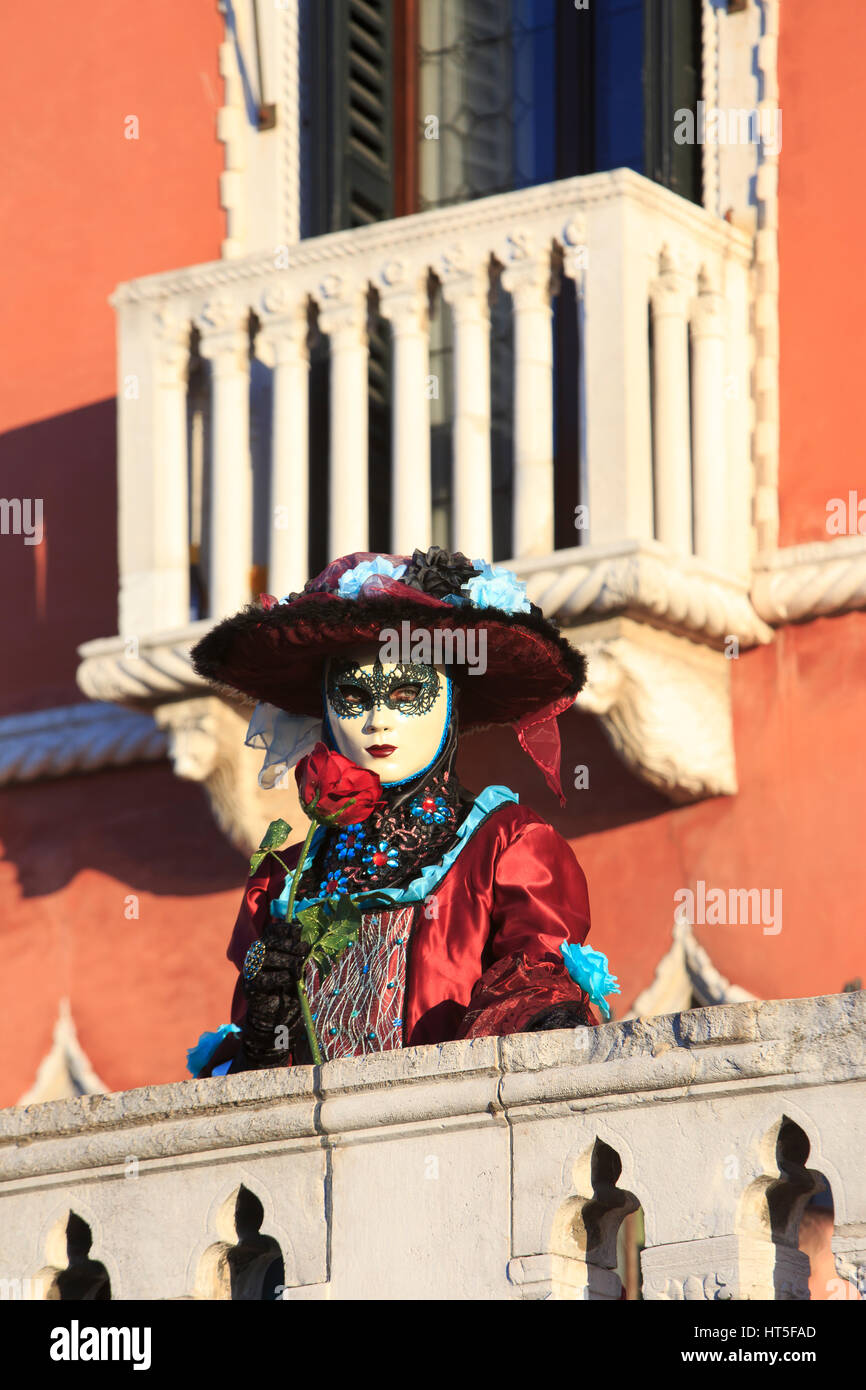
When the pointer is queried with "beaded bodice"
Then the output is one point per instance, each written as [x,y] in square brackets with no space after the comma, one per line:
[358,1008]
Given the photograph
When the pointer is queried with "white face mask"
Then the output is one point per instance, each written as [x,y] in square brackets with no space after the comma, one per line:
[376,706]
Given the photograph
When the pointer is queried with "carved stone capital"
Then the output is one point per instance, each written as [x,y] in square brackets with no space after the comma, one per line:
[405,305]
[665,705]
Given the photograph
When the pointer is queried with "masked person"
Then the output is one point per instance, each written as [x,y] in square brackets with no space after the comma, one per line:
[473,909]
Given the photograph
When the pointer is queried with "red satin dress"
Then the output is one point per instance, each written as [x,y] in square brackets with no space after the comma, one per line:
[479,956]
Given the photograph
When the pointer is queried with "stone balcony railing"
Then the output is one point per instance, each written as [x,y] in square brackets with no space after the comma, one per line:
[662,374]
[494,1169]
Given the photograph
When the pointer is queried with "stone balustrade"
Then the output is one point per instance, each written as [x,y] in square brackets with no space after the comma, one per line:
[661,372]
[495,1169]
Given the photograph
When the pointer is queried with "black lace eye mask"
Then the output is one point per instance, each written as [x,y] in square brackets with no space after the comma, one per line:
[353,690]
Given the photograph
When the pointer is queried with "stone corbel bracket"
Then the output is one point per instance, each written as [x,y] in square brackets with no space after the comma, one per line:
[664,703]
[204,733]
[206,744]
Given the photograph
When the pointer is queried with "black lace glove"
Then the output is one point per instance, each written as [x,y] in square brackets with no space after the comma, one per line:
[559,1016]
[273,1025]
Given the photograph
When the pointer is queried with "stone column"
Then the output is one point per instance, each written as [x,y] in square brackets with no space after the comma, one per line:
[170,465]
[708,424]
[528,281]
[405,305]
[225,343]
[613,306]
[673,483]
[473,487]
[283,344]
[343,318]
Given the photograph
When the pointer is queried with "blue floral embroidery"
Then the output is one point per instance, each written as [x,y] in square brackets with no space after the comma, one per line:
[426,882]
[496,587]
[351,583]
[589,970]
[432,810]
[351,841]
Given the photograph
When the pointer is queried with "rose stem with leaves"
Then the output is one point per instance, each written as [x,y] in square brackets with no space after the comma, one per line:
[302,990]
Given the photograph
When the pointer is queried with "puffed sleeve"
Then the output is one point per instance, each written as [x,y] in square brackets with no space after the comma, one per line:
[540,900]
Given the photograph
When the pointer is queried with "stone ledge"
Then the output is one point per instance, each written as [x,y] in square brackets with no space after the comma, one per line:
[474,1081]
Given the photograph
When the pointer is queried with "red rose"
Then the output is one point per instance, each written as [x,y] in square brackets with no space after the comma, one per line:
[334,790]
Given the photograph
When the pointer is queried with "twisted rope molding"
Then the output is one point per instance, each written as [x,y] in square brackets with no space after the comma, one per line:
[646,584]
[289,130]
[75,738]
[710,92]
[766,296]
[811,581]
[161,666]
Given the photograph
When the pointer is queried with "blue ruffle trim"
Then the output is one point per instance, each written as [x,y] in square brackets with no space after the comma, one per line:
[426,883]
[199,1056]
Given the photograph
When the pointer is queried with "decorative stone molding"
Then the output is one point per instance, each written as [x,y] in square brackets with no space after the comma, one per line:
[685,973]
[644,580]
[73,739]
[65,1072]
[206,744]
[664,704]
[765,448]
[710,93]
[365,249]
[811,581]
[260,184]
[492,1149]
[127,670]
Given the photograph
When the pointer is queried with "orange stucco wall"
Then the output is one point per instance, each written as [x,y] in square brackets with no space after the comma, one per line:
[822,295]
[81,209]
[85,208]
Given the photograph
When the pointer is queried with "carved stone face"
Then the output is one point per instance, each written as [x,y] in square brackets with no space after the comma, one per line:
[399,707]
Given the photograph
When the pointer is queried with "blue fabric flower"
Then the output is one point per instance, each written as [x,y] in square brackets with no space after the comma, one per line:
[352,581]
[198,1057]
[589,970]
[351,841]
[496,587]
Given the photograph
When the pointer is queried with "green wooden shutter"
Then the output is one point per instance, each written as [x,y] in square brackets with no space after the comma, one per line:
[672,80]
[362,120]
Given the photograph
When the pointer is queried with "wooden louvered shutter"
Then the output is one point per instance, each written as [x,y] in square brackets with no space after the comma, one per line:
[672,81]
[362,115]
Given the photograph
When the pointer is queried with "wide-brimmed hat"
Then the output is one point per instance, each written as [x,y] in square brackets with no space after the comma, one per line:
[512,665]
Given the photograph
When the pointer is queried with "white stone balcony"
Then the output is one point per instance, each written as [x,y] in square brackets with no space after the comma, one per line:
[664,437]
[663,379]
[497,1169]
